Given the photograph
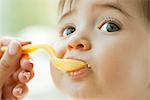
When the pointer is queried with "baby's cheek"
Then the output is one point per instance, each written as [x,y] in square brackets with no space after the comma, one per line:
[112,72]
[112,69]
[55,74]
[57,77]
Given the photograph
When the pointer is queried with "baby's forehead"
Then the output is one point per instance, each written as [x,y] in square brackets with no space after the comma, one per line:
[68,5]
[134,8]
[117,2]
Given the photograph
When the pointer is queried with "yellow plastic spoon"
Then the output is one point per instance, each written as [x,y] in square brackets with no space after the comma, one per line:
[66,65]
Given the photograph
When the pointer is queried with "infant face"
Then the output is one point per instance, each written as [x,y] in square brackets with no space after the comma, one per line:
[111,36]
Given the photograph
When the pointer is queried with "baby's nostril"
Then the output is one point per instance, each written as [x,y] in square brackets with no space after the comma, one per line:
[69,46]
[80,46]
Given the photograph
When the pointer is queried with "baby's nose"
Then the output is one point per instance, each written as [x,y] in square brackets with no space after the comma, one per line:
[80,44]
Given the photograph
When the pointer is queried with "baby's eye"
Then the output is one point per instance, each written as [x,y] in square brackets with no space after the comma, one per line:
[69,30]
[110,26]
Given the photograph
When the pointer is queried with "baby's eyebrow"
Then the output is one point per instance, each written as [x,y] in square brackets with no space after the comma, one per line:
[113,5]
[69,13]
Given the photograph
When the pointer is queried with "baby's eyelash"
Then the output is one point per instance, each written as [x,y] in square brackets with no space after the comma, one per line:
[109,19]
[63,27]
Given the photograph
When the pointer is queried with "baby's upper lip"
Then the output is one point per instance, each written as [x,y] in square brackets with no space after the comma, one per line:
[75,58]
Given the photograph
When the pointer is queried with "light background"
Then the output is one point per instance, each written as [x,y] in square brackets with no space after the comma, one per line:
[33,20]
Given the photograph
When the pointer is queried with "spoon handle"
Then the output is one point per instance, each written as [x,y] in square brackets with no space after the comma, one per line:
[62,64]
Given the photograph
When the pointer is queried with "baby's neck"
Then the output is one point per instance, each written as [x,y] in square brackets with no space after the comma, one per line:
[143,96]
[116,98]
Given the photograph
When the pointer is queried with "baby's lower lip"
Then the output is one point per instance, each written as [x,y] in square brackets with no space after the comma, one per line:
[80,73]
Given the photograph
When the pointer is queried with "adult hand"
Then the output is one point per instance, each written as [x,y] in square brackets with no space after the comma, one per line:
[16,70]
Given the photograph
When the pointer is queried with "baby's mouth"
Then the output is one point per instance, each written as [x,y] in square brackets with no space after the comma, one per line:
[79,73]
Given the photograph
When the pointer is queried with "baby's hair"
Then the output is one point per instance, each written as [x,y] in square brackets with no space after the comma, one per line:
[62,5]
[145,6]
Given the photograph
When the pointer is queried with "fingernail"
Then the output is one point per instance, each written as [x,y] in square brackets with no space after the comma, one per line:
[27,75]
[25,43]
[19,90]
[31,60]
[13,48]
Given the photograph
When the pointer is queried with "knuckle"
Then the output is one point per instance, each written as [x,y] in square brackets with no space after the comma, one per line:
[4,65]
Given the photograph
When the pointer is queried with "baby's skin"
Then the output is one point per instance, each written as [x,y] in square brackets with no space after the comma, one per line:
[16,69]
[112,36]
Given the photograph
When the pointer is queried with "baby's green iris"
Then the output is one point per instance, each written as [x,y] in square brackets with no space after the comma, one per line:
[110,27]
[69,30]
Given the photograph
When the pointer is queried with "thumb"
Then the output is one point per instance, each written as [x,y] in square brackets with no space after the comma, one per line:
[9,62]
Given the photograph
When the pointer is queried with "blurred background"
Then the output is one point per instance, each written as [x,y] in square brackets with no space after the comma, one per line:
[18,14]
[33,20]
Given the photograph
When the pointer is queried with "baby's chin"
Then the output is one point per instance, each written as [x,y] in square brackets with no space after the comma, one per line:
[78,90]
[85,93]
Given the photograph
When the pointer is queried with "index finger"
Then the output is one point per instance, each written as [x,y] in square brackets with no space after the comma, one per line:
[6,40]
[9,63]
